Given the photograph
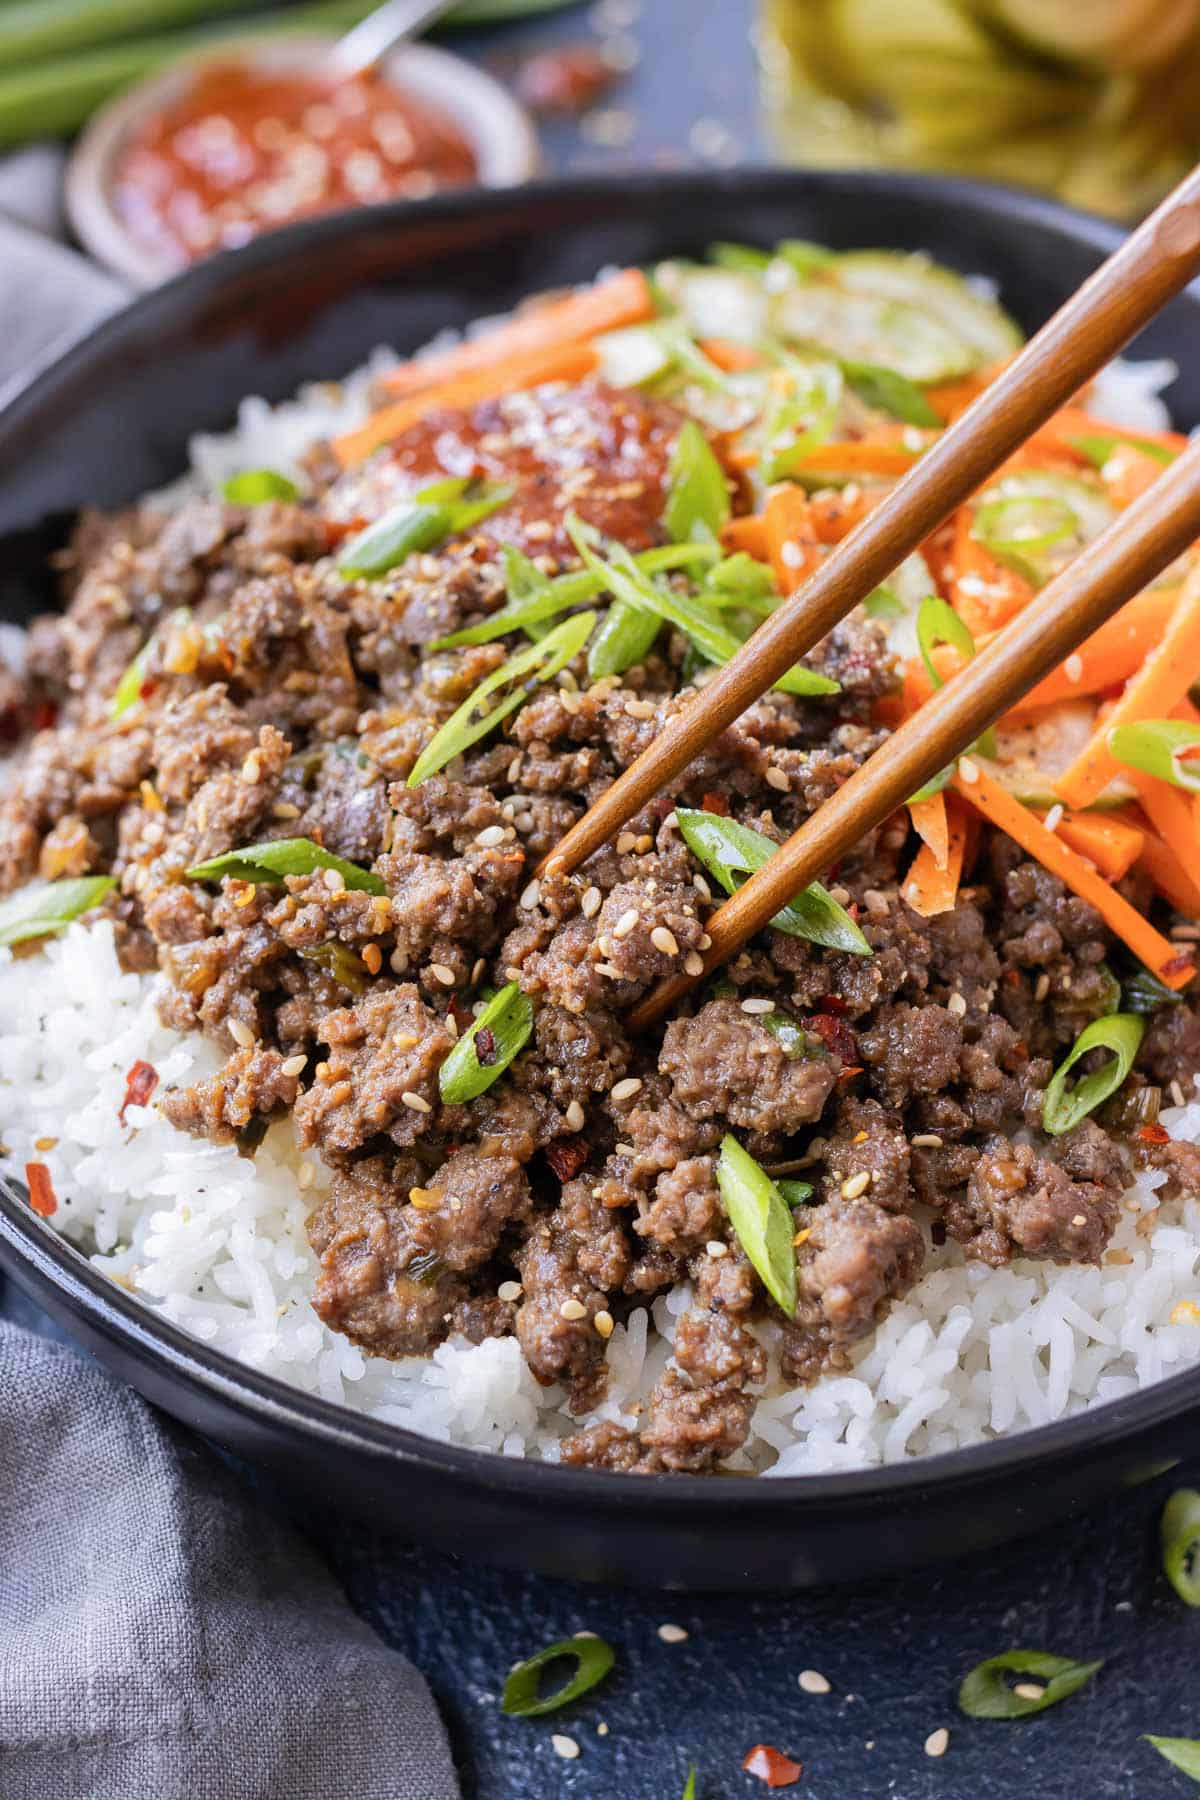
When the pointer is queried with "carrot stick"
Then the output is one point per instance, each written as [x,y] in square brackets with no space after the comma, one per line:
[1077,421]
[918,685]
[1110,656]
[1113,844]
[833,515]
[984,592]
[1017,822]
[623,299]
[1173,817]
[793,548]
[1128,472]
[568,362]
[930,824]
[749,533]
[931,887]
[949,398]
[729,355]
[1158,687]
[864,456]
[1173,881]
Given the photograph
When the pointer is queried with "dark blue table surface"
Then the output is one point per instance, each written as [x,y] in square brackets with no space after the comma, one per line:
[893,1651]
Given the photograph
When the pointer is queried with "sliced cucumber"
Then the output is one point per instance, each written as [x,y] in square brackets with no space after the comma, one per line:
[1050,517]
[871,328]
[633,357]
[716,303]
[981,325]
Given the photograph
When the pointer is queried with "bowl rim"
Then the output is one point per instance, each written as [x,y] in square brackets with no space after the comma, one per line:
[125,1319]
[499,129]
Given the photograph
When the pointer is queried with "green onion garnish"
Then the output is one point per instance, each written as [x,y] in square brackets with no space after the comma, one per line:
[697,502]
[1184,1753]
[729,850]
[1179,1531]
[1143,992]
[486,1048]
[626,635]
[48,907]
[1168,749]
[762,1221]
[741,259]
[883,604]
[1063,1108]
[890,392]
[477,715]
[252,486]
[715,642]
[938,623]
[689,1792]
[985,1694]
[344,964]
[436,513]
[264,864]
[803,256]
[803,418]
[796,1193]
[792,1038]
[129,688]
[1099,449]
[593,1658]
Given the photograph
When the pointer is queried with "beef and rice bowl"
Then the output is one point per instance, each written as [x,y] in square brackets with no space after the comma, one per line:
[298,1046]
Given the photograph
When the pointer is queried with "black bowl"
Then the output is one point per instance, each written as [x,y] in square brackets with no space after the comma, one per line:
[110,419]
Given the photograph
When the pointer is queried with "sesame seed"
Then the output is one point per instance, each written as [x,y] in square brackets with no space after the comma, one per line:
[956,1005]
[693,963]
[1073,668]
[335,881]
[627,922]
[701,886]
[624,1149]
[306,1175]
[665,940]
[672,1634]
[756,1005]
[716,1249]
[240,1032]
[441,973]
[626,1089]
[490,837]
[513,772]
[802,1237]
[854,1185]
[575,1116]
[1054,818]
[1176,1092]
[252,769]
[509,1290]
[813,1682]
[425,1199]
[572,1309]
[294,1065]
[1028,1690]
[591,902]
[415,1103]
[639,709]
[938,1742]
[531,895]
[1079,1219]
[602,1729]
[626,842]
[339,1095]
[1184,1312]
[840,894]
[1041,987]
[968,770]
[603,1322]
[927,1140]
[373,957]
[791,555]
[778,780]
[564,1746]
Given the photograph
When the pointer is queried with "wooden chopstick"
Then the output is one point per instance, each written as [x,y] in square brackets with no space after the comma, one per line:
[1111,306]
[1138,545]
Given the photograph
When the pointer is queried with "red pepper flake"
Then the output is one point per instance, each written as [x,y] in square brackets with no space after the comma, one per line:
[832,1003]
[1154,1134]
[42,1198]
[566,1159]
[836,1036]
[485,1046]
[772,1766]
[715,803]
[45,715]
[140,1083]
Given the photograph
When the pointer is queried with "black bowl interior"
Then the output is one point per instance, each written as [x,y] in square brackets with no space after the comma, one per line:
[112,417]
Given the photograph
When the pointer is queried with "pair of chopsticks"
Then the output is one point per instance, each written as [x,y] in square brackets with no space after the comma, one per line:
[1152,266]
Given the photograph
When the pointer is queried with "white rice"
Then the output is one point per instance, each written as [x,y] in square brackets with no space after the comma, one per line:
[218,1244]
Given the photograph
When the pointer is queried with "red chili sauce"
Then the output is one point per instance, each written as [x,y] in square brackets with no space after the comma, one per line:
[243,151]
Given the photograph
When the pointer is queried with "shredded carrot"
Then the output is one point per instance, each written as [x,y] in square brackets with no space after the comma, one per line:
[1017,822]
[930,824]
[1158,687]
[950,398]
[730,355]
[1113,844]
[624,299]
[1171,879]
[568,362]
[832,515]
[886,457]
[793,548]
[1110,656]
[984,592]
[749,533]
[1076,421]
[918,684]
[1128,472]
[931,885]
[1173,817]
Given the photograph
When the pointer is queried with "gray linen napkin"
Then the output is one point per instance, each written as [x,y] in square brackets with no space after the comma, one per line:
[163,1637]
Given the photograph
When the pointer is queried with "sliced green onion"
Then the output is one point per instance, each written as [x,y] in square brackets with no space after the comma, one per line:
[129,688]
[476,717]
[593,1658]
[762,1221]
[803,256]
[1183,1753]
[687,357]
[47,907]
[1063,1108]
[729,850]
[689,1791]
[1143,992]
[1099,449]
[883,604]
[1168,749]
[264,864]
[252,486]
[344,964]
[743,259]
[698,493]
[533,604]
[942,779]
[938,623]
[985,1694]
[890,392]
[625,581]
[626,635]
[471,1068]
[796,1193]
[803,419]
[792,1038]
[1180,1533]
[444,510]
[743,577]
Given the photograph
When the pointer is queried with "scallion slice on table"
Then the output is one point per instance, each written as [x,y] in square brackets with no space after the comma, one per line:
[762,1221]
[251,487]
[1168,749]
[521,673]
[1182,1753]
[697,502]
[1063,1107]
[48,907]
[1180,1533]
[890,392]
[986,1693]
[689,1790]
[264,864]
[522,1699]
[487,1047]
[436,513]
[729,851]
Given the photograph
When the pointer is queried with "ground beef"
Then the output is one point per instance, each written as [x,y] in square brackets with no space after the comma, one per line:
[380,1078]
[254,1083]
[725,1063]
[857,1259]
[1062,1207]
